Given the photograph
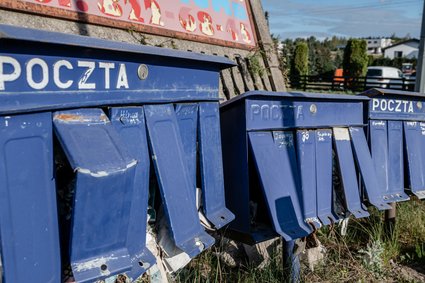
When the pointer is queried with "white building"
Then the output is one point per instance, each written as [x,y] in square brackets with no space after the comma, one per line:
[408,48]
[376,45]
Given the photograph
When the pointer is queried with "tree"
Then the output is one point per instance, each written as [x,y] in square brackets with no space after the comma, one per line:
[299,66]
[355,58]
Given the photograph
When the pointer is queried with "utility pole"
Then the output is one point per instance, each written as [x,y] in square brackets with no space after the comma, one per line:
[420,70]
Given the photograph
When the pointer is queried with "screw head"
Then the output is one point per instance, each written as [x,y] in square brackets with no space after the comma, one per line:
[143,72]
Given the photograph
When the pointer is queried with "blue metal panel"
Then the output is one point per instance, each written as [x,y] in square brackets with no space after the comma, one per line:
[415,147]
[281,114]
[379,150]
[28,213]
[312,179]
[44,71]
[129,122]
[39,36]
[212,165]
[293,96]
[92,85]
[366,167]
[348,173]
[234,142]
[187,118]
[386,140]
[395,190]
[306,152]
[390,107]
[174,179]
[275,159]
[103,193]
[397,106]
[66,71]
[324,193]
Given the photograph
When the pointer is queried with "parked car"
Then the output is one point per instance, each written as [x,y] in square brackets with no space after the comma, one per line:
[410,81]
[407,69]
[384,77]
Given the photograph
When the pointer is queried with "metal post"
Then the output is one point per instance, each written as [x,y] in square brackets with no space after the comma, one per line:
[390,218]
[291,262]
[420,70]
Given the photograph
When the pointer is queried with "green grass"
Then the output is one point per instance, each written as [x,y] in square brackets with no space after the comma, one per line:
[366,254]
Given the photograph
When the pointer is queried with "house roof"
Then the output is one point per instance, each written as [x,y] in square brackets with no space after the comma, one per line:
[402,42]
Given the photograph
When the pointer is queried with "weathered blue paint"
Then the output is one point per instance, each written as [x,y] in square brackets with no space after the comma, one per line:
[104,191]
[211,166]
[129,122]
[187,119]
[280,114]
[28,219]
[396,122]
[174,179]
[275,160]
[44,72]
[386,144]
[77,71]
[306,153]
[415,142]
[324,190]
[284,142]
[367,169]
[344,155]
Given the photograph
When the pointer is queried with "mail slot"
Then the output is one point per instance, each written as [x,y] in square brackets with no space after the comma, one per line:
[87,128]
[397,140]
[291,163]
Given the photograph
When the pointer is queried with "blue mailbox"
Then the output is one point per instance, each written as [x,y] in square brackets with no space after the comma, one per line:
[278,162]
[82,121]
[397,142]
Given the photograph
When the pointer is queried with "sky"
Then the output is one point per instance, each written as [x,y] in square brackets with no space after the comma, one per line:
[347,18]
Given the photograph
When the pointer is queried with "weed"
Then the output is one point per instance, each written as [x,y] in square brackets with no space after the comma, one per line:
[366,254]
[254,64]
[420,251]
[371,258]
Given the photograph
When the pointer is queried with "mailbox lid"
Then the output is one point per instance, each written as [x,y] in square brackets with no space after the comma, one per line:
[8,32]
[389,104]
[279,110]
[42,70]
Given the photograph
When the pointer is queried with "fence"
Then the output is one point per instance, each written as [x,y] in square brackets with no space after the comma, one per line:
[355,84]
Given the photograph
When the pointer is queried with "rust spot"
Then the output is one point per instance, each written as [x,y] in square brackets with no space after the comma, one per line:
[103,118]
[81,118]
[69,117]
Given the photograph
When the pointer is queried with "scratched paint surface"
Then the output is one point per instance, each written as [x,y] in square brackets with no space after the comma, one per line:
[226,20]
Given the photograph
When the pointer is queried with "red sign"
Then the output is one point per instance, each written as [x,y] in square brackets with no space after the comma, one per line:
[224,22]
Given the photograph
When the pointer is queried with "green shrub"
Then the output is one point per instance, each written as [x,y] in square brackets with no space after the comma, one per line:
[299,66]
[355,58]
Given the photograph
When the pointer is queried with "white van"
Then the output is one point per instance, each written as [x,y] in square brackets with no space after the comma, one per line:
[384,77]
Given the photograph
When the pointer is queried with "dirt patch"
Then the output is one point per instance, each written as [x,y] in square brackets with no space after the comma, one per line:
[412,273]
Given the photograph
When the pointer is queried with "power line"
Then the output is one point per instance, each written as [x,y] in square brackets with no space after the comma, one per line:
[375,5]
[354,8]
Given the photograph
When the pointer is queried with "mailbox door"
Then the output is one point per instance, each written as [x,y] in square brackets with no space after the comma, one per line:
[130,125]
[28,213]
[104,171]
[275,158]
[415,141]
[175,182]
